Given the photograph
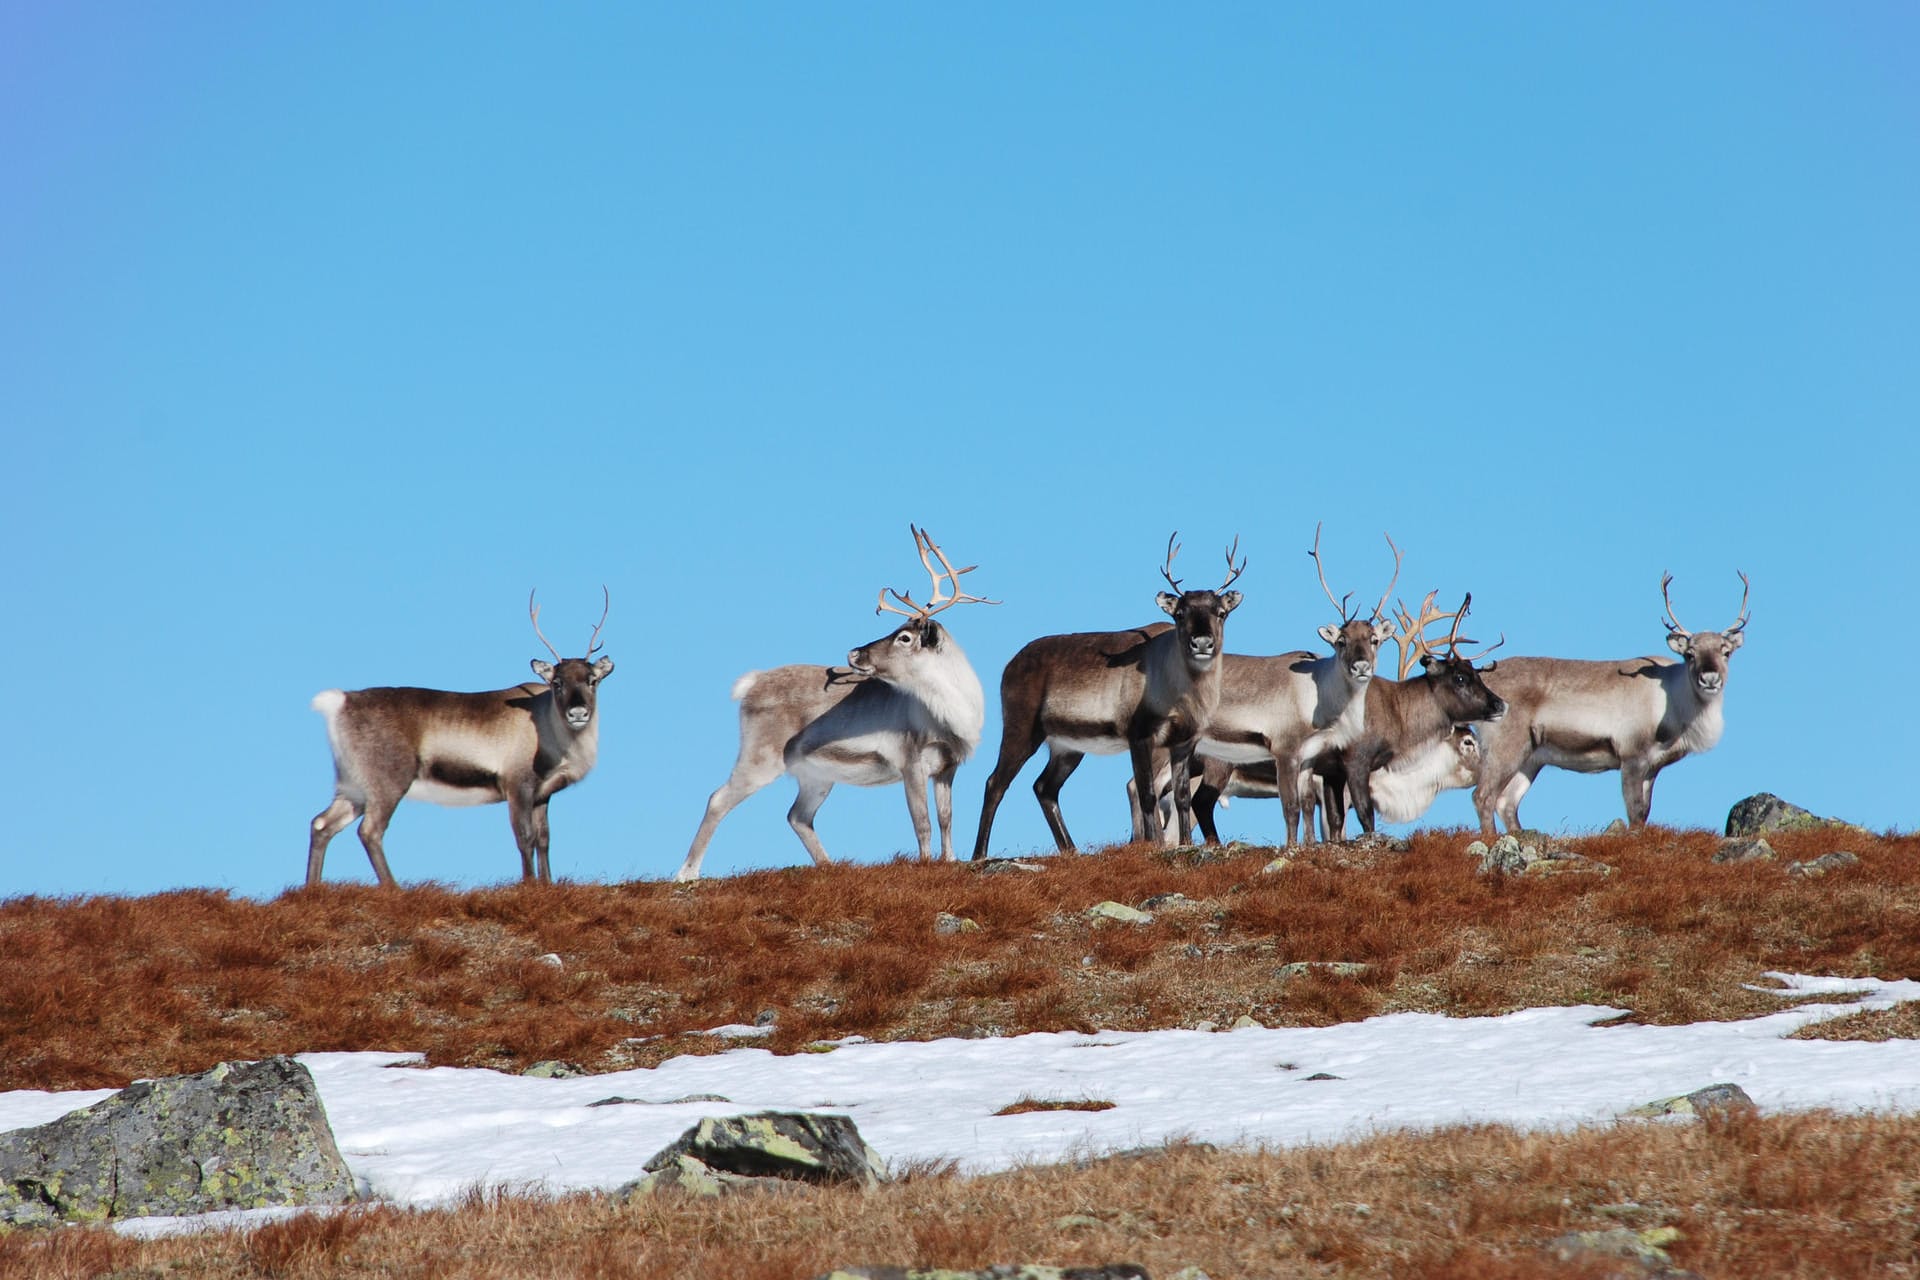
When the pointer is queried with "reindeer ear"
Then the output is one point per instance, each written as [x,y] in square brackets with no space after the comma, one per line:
[930,635]
[1330,633]
[1426,662]
[1168,603]
[1382,632]
[1229,601]
[1679,642]
[603,668]
[543,669]
[1734,639]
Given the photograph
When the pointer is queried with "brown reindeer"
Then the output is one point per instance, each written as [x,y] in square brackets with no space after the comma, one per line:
[906,708]
[1106,692]
[1637,715]
[521,745]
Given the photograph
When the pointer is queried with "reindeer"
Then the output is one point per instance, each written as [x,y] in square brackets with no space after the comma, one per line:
[1153,687]
[1292,707]
[521,745]
[906,708]
[1638,715]
[1414,722]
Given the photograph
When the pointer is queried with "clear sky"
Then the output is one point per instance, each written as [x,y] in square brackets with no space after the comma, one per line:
[326,332]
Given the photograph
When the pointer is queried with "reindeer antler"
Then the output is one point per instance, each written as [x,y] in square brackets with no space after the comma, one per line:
[1233,571]
[1166,570]
[1673,621]
[1341,604]
[593,641]
[533,611]
[1412,640]
[1740,623]
[1398,555]
[938,598]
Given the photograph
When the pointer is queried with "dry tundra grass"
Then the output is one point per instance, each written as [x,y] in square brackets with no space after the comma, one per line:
[101,990]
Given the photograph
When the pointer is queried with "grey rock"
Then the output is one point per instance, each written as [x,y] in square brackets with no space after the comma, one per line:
[1766,812]
[1478,849]
[245,1135]
[1724,1098]
[1162,901]
[1618,827]
[767,1018]
[1615,1242]
[1817,867]
[999,866]
[1745,849]
[1278,864]
[1378,841]
[1331,968]
[1119,911]
[723,1154]
[946,924]
[554,1069]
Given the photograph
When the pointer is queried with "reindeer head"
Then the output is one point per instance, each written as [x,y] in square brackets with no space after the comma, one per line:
[1466,754]
[574,682]
[890,658]
[1457,684]
[1706,652]
[1200,617]
[1356,641]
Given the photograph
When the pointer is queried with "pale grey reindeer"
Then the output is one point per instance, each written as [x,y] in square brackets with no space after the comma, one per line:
[1637,715]
[1291,707]
[1104,692]
[906,708]
[522,744]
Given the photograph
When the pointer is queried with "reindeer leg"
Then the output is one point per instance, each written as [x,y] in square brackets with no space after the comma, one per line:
[1286,780]
[1046,788]
[943,810]
[1180,758]
[1636,788]
[749,775]
[1513,793]
[520,805]
[327,824]
[1503,754]
[914,775]
[813,794]
[1015,750]
[542,840]
[1141,749]
[373,830]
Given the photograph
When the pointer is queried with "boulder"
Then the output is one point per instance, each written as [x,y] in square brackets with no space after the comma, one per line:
[1721,1098]
[1118,911]
[723,1154]
[1764,813]
[1745,849]
[245,1135]
[946,924]
[1816,867]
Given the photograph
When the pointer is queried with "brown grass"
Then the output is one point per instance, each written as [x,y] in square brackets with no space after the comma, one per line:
[102,990]
[1028,1103]
[1818,1196]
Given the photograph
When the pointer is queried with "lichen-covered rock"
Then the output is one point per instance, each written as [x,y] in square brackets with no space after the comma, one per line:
[554,1069]
[1616,1242]
[245,1135]
[1766,812]
[946,924]
[1746,849]
[1817,867]
[1330,968]
[1118,911]
[731,1153]
[1724,1098]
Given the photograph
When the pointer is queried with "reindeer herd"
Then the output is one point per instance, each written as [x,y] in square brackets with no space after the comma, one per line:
[1199,724]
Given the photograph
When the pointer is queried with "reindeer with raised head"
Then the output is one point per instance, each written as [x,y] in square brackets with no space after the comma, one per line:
[1637,715]
[1410,739]
[906,708]
[522,745]
[1292,707]
[1104,692]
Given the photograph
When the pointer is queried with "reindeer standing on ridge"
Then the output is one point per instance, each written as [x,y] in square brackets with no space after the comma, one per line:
[1150,689]
[522,745]
[1637,715]
[906,708]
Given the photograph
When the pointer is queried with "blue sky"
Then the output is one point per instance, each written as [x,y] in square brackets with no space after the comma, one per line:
[329,331]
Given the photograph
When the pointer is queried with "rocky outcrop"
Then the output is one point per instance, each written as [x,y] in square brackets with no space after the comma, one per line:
[1744,849]
[724,1154]
[1714,1098]
[245,1135]
[1766,813]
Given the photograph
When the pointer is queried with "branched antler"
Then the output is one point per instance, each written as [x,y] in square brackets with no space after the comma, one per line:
[533,611]
[1166,570]
[1341,604]
[593,641]
[1233,571]
[939,597]
[1740,623]
[1398,555]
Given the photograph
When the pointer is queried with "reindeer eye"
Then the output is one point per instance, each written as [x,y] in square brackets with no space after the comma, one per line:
[903,638]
